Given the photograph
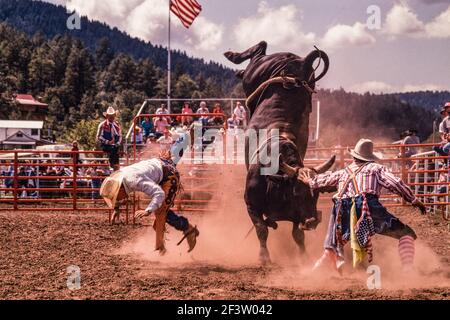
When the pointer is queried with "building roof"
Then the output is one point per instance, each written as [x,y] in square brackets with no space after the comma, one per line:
[28,100]
[18,124]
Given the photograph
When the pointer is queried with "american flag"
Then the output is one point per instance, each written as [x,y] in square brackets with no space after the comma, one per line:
[186,10]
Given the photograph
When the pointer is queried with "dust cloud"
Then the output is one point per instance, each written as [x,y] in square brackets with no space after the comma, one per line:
[223,242]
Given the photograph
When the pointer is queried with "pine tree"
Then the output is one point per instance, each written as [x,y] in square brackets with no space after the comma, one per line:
[79,76]
[104,53]
[41,70]
[147,78]
[185,87]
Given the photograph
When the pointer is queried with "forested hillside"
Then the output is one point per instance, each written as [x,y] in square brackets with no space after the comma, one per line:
[79,75]
[347,116]
[32,17]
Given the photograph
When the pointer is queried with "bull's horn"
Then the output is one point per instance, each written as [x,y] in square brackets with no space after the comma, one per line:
[309,60]
[324,167]
[288,169]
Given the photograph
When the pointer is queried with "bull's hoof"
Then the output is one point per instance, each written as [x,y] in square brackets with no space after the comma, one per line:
[232,56]
[264,257]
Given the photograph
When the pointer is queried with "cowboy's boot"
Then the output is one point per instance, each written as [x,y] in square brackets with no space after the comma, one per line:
[191,235]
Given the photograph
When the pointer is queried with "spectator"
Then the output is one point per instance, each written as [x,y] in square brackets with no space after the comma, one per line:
[161,125]
[109,134]
[96,182]
[203,110]
[165,142]
[443,177]
[151,139]
[233,122]
[411,138]
[444,130]
[9,182]
[241,114]
[22,183]
[75,156]
[163,110]
[148,127]
[31,172]
[186,110]
[218,120]
[138,135]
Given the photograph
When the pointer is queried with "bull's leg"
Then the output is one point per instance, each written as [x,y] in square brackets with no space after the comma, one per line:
[299,237]
[258,50]
[262,231]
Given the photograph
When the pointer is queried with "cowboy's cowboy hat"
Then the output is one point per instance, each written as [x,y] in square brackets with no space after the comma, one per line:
[110,188]
[110,112]
[364,151]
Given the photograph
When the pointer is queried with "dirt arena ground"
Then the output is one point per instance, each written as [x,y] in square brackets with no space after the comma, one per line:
[117,262]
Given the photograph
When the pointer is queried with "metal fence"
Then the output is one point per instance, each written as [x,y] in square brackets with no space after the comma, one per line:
[63,182]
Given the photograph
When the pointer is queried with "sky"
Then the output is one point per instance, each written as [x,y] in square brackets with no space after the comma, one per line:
[373,45]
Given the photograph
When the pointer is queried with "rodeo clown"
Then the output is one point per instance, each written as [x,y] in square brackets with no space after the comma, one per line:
[357,213]
[159,179]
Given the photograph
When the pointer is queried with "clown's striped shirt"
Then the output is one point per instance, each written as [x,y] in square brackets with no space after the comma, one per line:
[371,179]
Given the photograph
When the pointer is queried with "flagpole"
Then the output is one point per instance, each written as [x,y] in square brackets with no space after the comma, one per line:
[168,67]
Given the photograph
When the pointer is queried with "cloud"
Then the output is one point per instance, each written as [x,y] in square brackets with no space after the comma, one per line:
[401,20]
[343,35]
[440,26]
[383,87]
[281,27]
[147,20]
[207,35]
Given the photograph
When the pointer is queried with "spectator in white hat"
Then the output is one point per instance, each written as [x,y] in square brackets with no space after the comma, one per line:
[109,135]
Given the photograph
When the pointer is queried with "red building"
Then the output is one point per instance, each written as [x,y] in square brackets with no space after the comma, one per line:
[29,106]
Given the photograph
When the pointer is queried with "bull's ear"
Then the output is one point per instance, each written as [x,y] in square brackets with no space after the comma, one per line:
[240,74]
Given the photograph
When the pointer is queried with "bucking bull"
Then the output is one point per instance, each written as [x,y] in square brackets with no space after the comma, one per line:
[279,89]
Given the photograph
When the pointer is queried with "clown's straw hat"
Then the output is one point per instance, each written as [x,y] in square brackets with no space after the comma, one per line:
[110,188]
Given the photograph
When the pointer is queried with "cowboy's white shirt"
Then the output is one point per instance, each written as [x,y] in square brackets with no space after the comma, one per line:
[145,177]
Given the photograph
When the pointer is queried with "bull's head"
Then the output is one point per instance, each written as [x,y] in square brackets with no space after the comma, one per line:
[309,204]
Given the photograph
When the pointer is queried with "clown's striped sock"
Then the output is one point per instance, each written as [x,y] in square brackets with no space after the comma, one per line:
[406,251]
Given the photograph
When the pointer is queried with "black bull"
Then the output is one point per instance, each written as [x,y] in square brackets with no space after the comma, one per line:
[285,106]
